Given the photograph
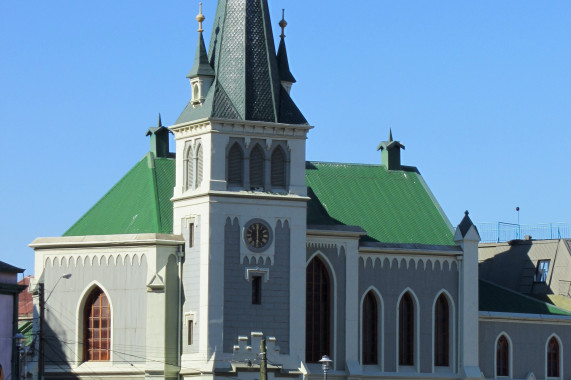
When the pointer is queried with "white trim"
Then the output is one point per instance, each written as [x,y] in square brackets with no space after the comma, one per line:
[510,358]
[416,348]
[451,330]
[333,298]
[250,272]
[554,335]
[380,327]
[79,317]
[493,316]
[106,241]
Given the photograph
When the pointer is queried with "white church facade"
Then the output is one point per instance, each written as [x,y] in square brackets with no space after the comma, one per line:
[193,258]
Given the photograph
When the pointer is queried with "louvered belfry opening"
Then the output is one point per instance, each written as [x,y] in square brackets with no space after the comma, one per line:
[189,162]
[257,167]
[406,330]
[502,357]
[318,312]
[441,332]
[278,168]
[370,329]
[199,165]
[553,358]
[97,327]
[236,166]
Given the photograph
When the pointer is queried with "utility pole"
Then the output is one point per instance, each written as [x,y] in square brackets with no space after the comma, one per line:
[264,364]
[41,334]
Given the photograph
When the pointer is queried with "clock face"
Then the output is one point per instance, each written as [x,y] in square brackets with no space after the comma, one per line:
[257,235]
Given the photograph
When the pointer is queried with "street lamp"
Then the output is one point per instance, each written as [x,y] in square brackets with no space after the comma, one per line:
[325,361]
[67,276]
[21,365]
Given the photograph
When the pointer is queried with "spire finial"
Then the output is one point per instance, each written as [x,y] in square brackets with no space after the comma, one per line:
[283,23]
[466,212]
[390,135]
[160,122]
[200,18]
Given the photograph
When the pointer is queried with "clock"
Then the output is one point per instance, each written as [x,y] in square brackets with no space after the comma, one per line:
[257,235]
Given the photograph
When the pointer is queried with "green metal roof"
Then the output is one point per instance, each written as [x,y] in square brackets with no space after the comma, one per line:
[392,206]
[138,203]
[496,298]
[27,329]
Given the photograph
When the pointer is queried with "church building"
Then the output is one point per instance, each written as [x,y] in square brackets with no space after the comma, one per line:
[194,257]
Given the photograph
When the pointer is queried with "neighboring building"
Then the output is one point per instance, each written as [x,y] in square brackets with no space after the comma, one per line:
[9,290]
[183,267]
[539,268]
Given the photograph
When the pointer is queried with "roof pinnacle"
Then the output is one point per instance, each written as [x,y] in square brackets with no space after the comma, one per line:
[390,135]
[160,124]
[200,18]
[283,23]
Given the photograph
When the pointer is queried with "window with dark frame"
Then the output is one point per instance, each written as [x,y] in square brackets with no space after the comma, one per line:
[370,329]
[441,332]
[256,290]
[541,271]
[502,357]
[553,358]
[278,168]
[235,166]
[191,235]
[190,331]
[318,312]
[97,327]
[257,168]
[406,330]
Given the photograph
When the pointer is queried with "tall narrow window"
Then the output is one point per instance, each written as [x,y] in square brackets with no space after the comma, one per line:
[278,168]
[553,358]
[317,312]
[441,332]
[257,166]
[502,357]
[370,329]
[189,163]
[541,271]
[236,166]
[199,164]
[97,327]
[257,290]
[406,330]
[190,325]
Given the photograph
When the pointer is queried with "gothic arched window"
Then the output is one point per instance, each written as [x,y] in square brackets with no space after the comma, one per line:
[199,164]
[236,166]
[278,168]
[370,329]
[406,330]
[257,167]
[189,164]
[502,356]
[441,332]
[97,327]
[317,311]
[553,358]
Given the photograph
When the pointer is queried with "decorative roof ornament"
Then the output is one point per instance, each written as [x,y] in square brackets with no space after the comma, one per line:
[283,24]
[390,135]
[390,153]
[200,18]
[160,123]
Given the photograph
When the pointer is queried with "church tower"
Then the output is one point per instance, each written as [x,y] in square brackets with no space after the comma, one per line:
[240,198]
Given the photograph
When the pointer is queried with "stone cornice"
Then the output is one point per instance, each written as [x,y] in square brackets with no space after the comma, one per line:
[493,316]
[245,195]
[106,241]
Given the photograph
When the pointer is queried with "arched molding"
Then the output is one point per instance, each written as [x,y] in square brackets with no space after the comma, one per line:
[416,345]
[560,342]
[510,356]
[333,297]
[380,325]
[410,262]
[79,319]
[244,167]
[451,328]
[48,262]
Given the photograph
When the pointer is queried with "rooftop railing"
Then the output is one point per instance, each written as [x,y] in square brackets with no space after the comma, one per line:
[501,232]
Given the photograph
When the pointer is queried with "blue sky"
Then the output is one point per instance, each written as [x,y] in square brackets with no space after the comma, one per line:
[477,91]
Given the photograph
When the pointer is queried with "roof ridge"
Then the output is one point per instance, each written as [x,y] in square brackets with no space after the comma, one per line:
[343,163]
[549,305]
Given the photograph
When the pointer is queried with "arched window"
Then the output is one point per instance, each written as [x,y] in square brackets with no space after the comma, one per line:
[257,167]
[236,166]
[441,332]
[502,357]
[406,330]
[189,163]
[553,358]
[278,168]
[317,311]
[199,161]
[195,92]
[370,329]
[97,327]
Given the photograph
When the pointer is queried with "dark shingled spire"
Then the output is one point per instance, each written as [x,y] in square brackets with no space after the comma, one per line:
[201,65]
[465,224]
[247,84]
[283,63]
